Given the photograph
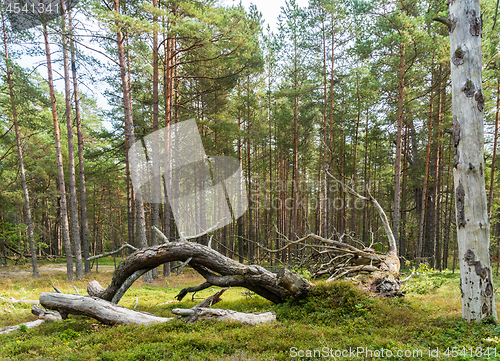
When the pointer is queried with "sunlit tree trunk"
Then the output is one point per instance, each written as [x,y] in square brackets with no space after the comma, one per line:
[156,165]
[71,155]
[495,144]
[473,226]
[129,129]
[399,137]
[27,209]
[60,170]
[81,167]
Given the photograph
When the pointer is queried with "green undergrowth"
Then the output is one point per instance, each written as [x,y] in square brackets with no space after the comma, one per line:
[333,317]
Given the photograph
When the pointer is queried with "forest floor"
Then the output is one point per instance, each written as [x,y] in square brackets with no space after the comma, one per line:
[336,321]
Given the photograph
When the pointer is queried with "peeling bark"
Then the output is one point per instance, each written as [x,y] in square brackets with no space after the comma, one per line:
[453,23]
[469,89]
[460,195]
[473,229]
[480,100]
[458,57]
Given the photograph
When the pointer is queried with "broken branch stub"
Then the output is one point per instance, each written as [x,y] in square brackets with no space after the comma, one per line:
[293,283]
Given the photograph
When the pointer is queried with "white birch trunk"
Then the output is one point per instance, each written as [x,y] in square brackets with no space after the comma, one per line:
[473,228]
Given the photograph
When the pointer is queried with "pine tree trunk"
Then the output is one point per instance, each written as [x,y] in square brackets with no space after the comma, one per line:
[495,144]
[81,166]
[355,155]
[397,165]
[129,129]
[60,170]
[239,221]
[156,165]
[473,227]
[168,85]
[29,222]
[71,155]
[425,189]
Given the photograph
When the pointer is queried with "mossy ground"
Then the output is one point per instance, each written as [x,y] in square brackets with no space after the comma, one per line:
[334,317]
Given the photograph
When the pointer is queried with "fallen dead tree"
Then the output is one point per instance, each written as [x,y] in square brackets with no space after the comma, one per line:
[217,314]
[94,307]
[43,316]
[217,269]
[112,314]
[336,258]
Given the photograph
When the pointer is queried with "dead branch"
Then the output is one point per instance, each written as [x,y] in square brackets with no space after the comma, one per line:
[380,210]
[43,316]
[125,245]
[225,315]
[31,324]
[21,300]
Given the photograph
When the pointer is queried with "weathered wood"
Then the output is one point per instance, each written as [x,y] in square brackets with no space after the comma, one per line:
[110,313]
[473,224]
[293,283]
[31,324]
[126,285]
[218,270]
[125,245]
[211,300]
[225,315]
[21,300]
[102,310]
[45,314]
[94,289]
[187,290]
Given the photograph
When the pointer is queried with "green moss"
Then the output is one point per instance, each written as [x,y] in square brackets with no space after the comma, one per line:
[336,315]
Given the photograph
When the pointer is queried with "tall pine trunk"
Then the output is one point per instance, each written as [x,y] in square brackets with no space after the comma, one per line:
[60,170]
[473,226]
[129,129]
[81,166]
[399,136]
[495,144]
[71,155]
[156,165]
[29,222]
[425,189]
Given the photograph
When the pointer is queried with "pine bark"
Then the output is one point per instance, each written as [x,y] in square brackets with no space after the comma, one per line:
[495,145]
[129,129]
[60,170]
[71,155]
[425,189]
[156,165]
[81,163]
[473,227]
[399,137]
[29,222]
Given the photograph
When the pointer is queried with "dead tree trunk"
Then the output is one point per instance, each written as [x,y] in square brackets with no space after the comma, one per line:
[218,270]
[473,225]
[103,311]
